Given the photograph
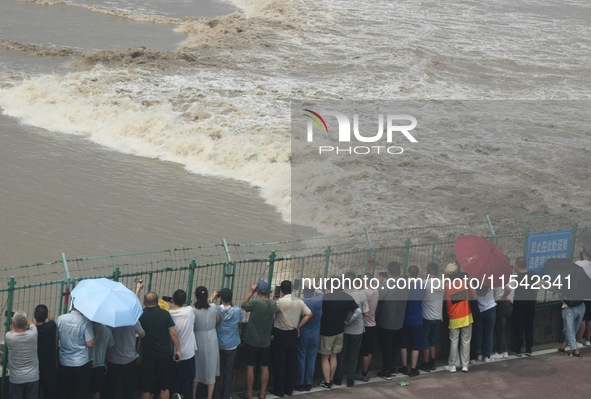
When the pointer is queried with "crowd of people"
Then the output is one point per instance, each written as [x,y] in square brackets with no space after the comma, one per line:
[181,346]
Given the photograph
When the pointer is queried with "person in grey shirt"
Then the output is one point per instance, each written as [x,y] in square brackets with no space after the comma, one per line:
[432,316]
[75,336]
[121,364]
[22,358]
[349,356]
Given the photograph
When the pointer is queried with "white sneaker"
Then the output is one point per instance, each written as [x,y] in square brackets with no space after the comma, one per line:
[587,343]
[488,359]
[579,345]
[451,368]
[479,358]
[505,355]
[496,356]
[465,369]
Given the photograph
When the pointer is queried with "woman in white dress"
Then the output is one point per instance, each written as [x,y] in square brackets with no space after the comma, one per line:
[207,357]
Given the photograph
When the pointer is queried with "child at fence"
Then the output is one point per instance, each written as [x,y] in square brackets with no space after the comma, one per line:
[99,356]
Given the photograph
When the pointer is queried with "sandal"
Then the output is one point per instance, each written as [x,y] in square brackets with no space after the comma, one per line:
[561,350]
[244,395]
[572,354]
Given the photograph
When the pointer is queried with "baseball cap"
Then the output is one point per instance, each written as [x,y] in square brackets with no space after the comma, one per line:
[263,287]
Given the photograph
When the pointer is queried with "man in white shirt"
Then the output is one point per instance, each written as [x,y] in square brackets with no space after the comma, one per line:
[292,313]
[184,368]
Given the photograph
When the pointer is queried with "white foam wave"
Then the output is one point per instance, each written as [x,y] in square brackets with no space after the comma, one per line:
[220,105]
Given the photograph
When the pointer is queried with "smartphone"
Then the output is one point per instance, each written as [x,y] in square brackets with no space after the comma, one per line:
[383,274]
[277,291]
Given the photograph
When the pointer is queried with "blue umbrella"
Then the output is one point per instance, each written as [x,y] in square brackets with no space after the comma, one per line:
[107,302]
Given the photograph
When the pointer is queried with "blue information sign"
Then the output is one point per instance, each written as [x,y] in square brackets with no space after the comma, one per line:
[550,244]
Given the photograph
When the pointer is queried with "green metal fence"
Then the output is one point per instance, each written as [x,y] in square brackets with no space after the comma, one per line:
[239,266]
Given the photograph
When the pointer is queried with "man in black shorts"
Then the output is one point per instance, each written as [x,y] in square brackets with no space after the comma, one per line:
[257,337]
[157,359]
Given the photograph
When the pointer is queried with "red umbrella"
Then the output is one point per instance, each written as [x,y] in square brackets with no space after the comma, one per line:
[481,259]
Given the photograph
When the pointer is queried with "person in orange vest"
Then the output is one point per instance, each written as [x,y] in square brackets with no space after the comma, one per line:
[457,298]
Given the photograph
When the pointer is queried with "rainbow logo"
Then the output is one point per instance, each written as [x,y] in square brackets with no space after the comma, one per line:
[317,119]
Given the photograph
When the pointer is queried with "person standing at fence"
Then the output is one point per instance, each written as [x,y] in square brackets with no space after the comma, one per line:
[584,332]
[338,310]
[349,356]
[184,370]
[432,312]
[483,332]
[390,318]
[75,337]
[122,364]
[370,335]
[309,339]
[292,314]
[229,317]
[411,336]
[23,363]
[257,337]
[504,297]
[207,358]
[457,299]
[157,355]
[46,351]
[99,356]
[524,308]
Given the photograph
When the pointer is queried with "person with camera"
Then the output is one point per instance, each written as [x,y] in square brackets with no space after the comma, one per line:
[257,337]
[228,341]
[207,358]
[184,370]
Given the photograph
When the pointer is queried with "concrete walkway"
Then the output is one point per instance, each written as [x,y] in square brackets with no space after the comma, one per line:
[547,374]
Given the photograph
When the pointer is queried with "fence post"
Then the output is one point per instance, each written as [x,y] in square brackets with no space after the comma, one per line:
[150,277]
[433,252]
[116,274]
[572,249]
[66,291]
[493,235]
[326,261]
[229,266]
[525,240]
[192,268]
[271,267]
[302,267]
[8,323]
[406,255]
[370,253]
